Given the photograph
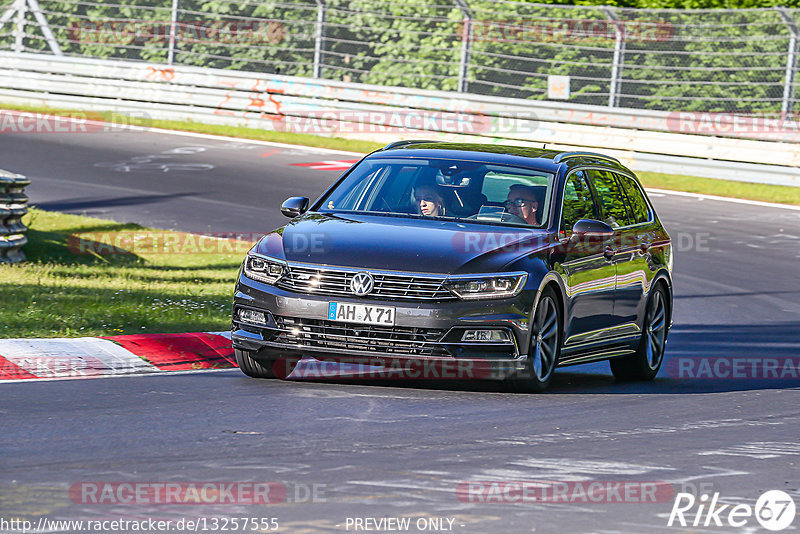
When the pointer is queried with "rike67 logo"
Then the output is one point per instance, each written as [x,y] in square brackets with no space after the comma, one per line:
[774,510]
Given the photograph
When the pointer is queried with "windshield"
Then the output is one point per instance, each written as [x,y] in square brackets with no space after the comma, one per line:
[444,188]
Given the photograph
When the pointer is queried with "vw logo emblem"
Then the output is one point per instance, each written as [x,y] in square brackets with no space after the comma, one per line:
[362,284]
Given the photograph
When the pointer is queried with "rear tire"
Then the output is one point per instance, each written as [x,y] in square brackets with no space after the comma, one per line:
[645,363]
[545,347]
[278,368]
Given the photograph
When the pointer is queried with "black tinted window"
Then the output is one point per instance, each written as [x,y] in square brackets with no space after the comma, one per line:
[578,202]
[636,201]
[612,201]
[475,191]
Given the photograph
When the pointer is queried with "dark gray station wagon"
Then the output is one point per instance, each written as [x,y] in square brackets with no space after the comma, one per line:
[444,260]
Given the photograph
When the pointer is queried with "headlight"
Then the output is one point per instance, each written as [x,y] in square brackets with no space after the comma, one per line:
[264,269]
[483,286]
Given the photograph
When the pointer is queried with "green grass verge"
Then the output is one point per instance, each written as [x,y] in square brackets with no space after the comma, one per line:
[68,289]
[707,186]
[782,194]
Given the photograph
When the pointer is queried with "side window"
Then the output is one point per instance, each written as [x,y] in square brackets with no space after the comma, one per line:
[578,202]
[496,184]
[612,201]
[636,202]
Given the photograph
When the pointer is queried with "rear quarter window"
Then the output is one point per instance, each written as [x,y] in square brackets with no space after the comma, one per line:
[612,200]
[636,201]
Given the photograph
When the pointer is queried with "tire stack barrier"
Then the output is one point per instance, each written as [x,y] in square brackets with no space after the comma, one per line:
[13,205]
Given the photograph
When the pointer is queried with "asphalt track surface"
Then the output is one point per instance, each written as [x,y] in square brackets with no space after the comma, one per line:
[400,449]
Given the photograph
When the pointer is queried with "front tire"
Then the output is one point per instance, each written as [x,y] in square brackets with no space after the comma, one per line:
[645,363]
[545,347]
[279,368]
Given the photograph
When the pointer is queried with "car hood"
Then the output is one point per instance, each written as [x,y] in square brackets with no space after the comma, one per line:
[400,244]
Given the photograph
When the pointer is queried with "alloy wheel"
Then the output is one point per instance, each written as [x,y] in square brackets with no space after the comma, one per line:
[655,330]
[544,344]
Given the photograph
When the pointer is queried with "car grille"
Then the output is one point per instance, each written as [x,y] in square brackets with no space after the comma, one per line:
[319,333]
[326,281]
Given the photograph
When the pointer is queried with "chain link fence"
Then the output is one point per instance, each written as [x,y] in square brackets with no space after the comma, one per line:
[730,61]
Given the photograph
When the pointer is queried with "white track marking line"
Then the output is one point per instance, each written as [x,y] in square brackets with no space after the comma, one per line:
[199,135]
[725,199]
[136,375]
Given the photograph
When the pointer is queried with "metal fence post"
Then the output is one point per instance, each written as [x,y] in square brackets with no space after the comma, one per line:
[318,38]
[619,57]
[19,30]
[466,47]
[791,58]
[173,32]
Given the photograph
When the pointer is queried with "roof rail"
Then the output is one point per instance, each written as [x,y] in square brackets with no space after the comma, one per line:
[400,144]
[566,155]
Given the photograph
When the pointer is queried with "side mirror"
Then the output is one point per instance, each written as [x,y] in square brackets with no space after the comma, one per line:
[591,228]
[294,206]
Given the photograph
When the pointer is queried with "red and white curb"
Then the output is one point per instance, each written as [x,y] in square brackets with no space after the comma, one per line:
[329,165]
[89,357]
[23,360]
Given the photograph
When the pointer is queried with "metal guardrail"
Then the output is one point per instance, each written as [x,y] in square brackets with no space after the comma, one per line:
[74,73]
[644,140]
[13,205]
[725,60]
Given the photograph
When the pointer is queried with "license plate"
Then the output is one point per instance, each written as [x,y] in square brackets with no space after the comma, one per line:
[361,313]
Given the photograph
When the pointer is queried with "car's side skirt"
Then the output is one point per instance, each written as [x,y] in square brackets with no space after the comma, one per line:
[604,334]
[597,351]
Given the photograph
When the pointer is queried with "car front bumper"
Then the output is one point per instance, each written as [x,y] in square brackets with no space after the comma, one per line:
[426,335]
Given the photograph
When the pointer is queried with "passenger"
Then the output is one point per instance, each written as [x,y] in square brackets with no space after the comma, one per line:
[523,201]
[428,200]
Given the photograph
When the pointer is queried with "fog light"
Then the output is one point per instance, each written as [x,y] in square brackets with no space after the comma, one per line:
[488,336]
[252,317]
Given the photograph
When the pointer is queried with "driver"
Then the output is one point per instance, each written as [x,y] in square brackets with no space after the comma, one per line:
[428,200]
[523,201]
